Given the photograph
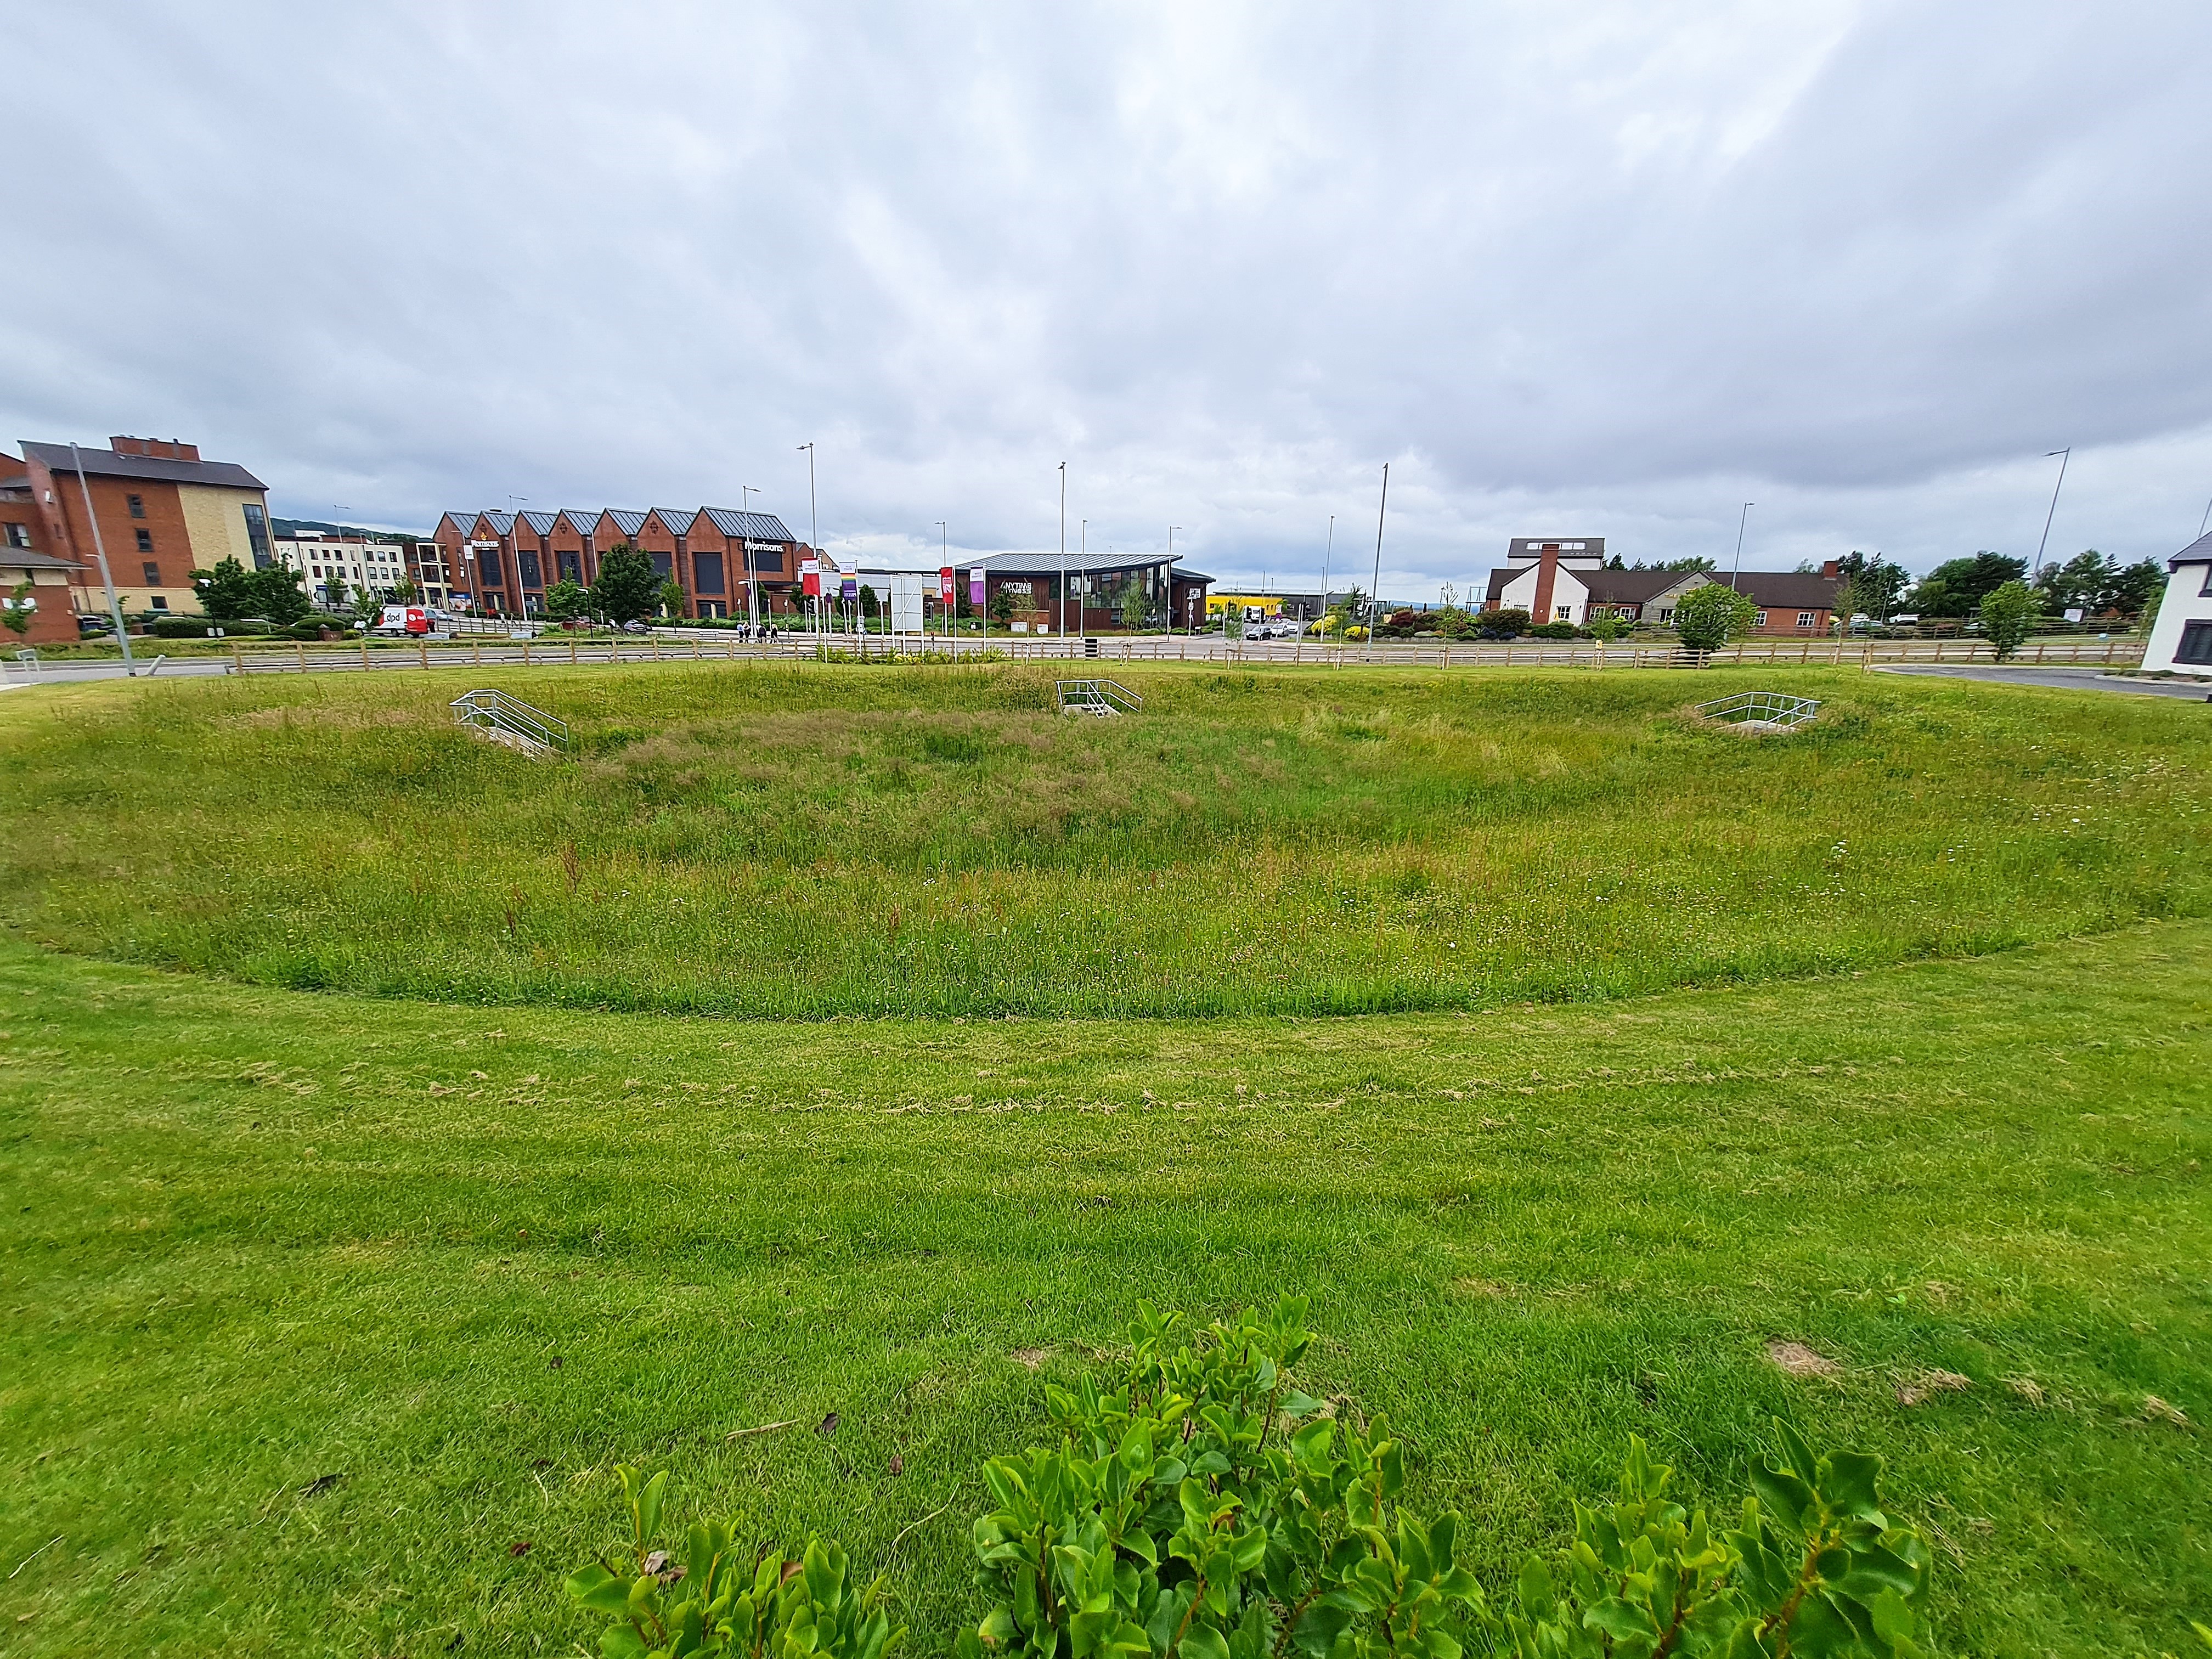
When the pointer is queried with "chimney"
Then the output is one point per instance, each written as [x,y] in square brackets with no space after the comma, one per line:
[185,452]
[127,445]
[1832,569]
[1547,577]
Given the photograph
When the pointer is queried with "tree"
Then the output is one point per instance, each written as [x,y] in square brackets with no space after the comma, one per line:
[227,590]
[566,600]
[1707,618]
[1956,587]
[2084,581]
[278,595]
[1001,608]
[868,605]
[1871,586]
[2010,614]
[1133,604]
[20,608]
[669,597]
[334,594]
[2136,587]
[1608,627]
[627,587]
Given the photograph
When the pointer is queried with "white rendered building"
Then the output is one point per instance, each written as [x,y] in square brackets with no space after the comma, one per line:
[324,559]
[2181,638]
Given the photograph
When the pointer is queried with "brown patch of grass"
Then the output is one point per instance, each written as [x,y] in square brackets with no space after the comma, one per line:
[1928,1384]
[1795,1359]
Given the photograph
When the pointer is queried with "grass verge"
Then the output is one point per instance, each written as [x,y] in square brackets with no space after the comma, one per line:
[321,1307]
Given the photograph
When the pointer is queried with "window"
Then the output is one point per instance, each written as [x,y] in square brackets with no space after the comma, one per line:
[664,565]
[488,567]
[152,572]
[257,535]
[1804,619]
[145,541]
[571,567]
[137,508]
[19,535]
[1566,613]
[2205,591]
[1761,621]
[2195,647]
[158,603]
[531,577]
[706,572]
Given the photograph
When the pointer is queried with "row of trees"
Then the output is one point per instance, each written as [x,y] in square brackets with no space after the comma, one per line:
[2095,583]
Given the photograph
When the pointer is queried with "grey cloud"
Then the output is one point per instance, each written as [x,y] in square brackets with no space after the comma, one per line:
[1612,268]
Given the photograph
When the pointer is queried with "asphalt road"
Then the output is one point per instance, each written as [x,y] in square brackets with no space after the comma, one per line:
[2072,679]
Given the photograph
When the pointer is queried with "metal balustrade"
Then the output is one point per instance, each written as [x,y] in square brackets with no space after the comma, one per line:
[510,719]
[1771,711]
[1104,698]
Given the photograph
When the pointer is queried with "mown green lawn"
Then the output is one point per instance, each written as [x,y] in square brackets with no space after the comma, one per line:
[319,1307]
[791,840]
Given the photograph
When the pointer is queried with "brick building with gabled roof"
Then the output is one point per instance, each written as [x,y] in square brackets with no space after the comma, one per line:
[1568,581]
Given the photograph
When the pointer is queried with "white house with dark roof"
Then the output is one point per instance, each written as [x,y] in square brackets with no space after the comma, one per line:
[2181,637]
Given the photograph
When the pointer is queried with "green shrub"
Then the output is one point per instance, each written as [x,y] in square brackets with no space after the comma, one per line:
[1202,1506]
[312,627]
[727,1602]
[180,627]
[2010,614]
[1555,630]
[1502,624]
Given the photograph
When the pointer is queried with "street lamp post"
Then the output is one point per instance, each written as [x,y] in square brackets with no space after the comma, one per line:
[1742,519]
[952,605]
[1374,597]
[99,552]
[2065,455]
[1063,551]
[745,494]
[814,541]
[1328,553]
[1171,530]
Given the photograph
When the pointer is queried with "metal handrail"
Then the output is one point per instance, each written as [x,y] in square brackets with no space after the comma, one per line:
[1100,695]
[1769,708]
[490,710]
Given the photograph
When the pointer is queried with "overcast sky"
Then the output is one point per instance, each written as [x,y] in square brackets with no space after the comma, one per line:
[1583,270]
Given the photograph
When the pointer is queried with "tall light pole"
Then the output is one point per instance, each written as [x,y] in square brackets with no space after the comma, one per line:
[1328,553]
[2065,455]
[814,545]
[1171,530]
[952,605]
[1063,549]
[1374,597]
[99,552]
[745,494]
[1742,519]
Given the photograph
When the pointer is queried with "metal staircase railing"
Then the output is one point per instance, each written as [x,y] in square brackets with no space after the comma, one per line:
[1773,710]
[510,719]
[1104,698]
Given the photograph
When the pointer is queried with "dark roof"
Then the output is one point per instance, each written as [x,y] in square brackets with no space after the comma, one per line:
[580,521]
[1527,549]
[2197,552]
[502,524]
[679,519]
[1785,590]
[1079,564]
[19,558]
[753,526]
[1184,575]
[628,522]
[109,465]
[540,522]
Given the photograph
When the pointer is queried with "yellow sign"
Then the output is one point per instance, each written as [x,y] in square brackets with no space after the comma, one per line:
[1267,604]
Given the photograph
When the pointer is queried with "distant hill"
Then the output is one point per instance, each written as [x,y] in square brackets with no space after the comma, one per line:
[287,529]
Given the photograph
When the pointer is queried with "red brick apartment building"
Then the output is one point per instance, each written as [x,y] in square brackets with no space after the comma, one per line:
[163,513]
[501,564]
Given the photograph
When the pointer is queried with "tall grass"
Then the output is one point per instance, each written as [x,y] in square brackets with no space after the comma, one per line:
[797,842]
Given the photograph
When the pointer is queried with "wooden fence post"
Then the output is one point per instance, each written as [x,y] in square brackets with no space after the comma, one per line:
[302,649]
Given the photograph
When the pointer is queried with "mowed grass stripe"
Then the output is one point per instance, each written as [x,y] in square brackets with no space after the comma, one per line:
[255,1238]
